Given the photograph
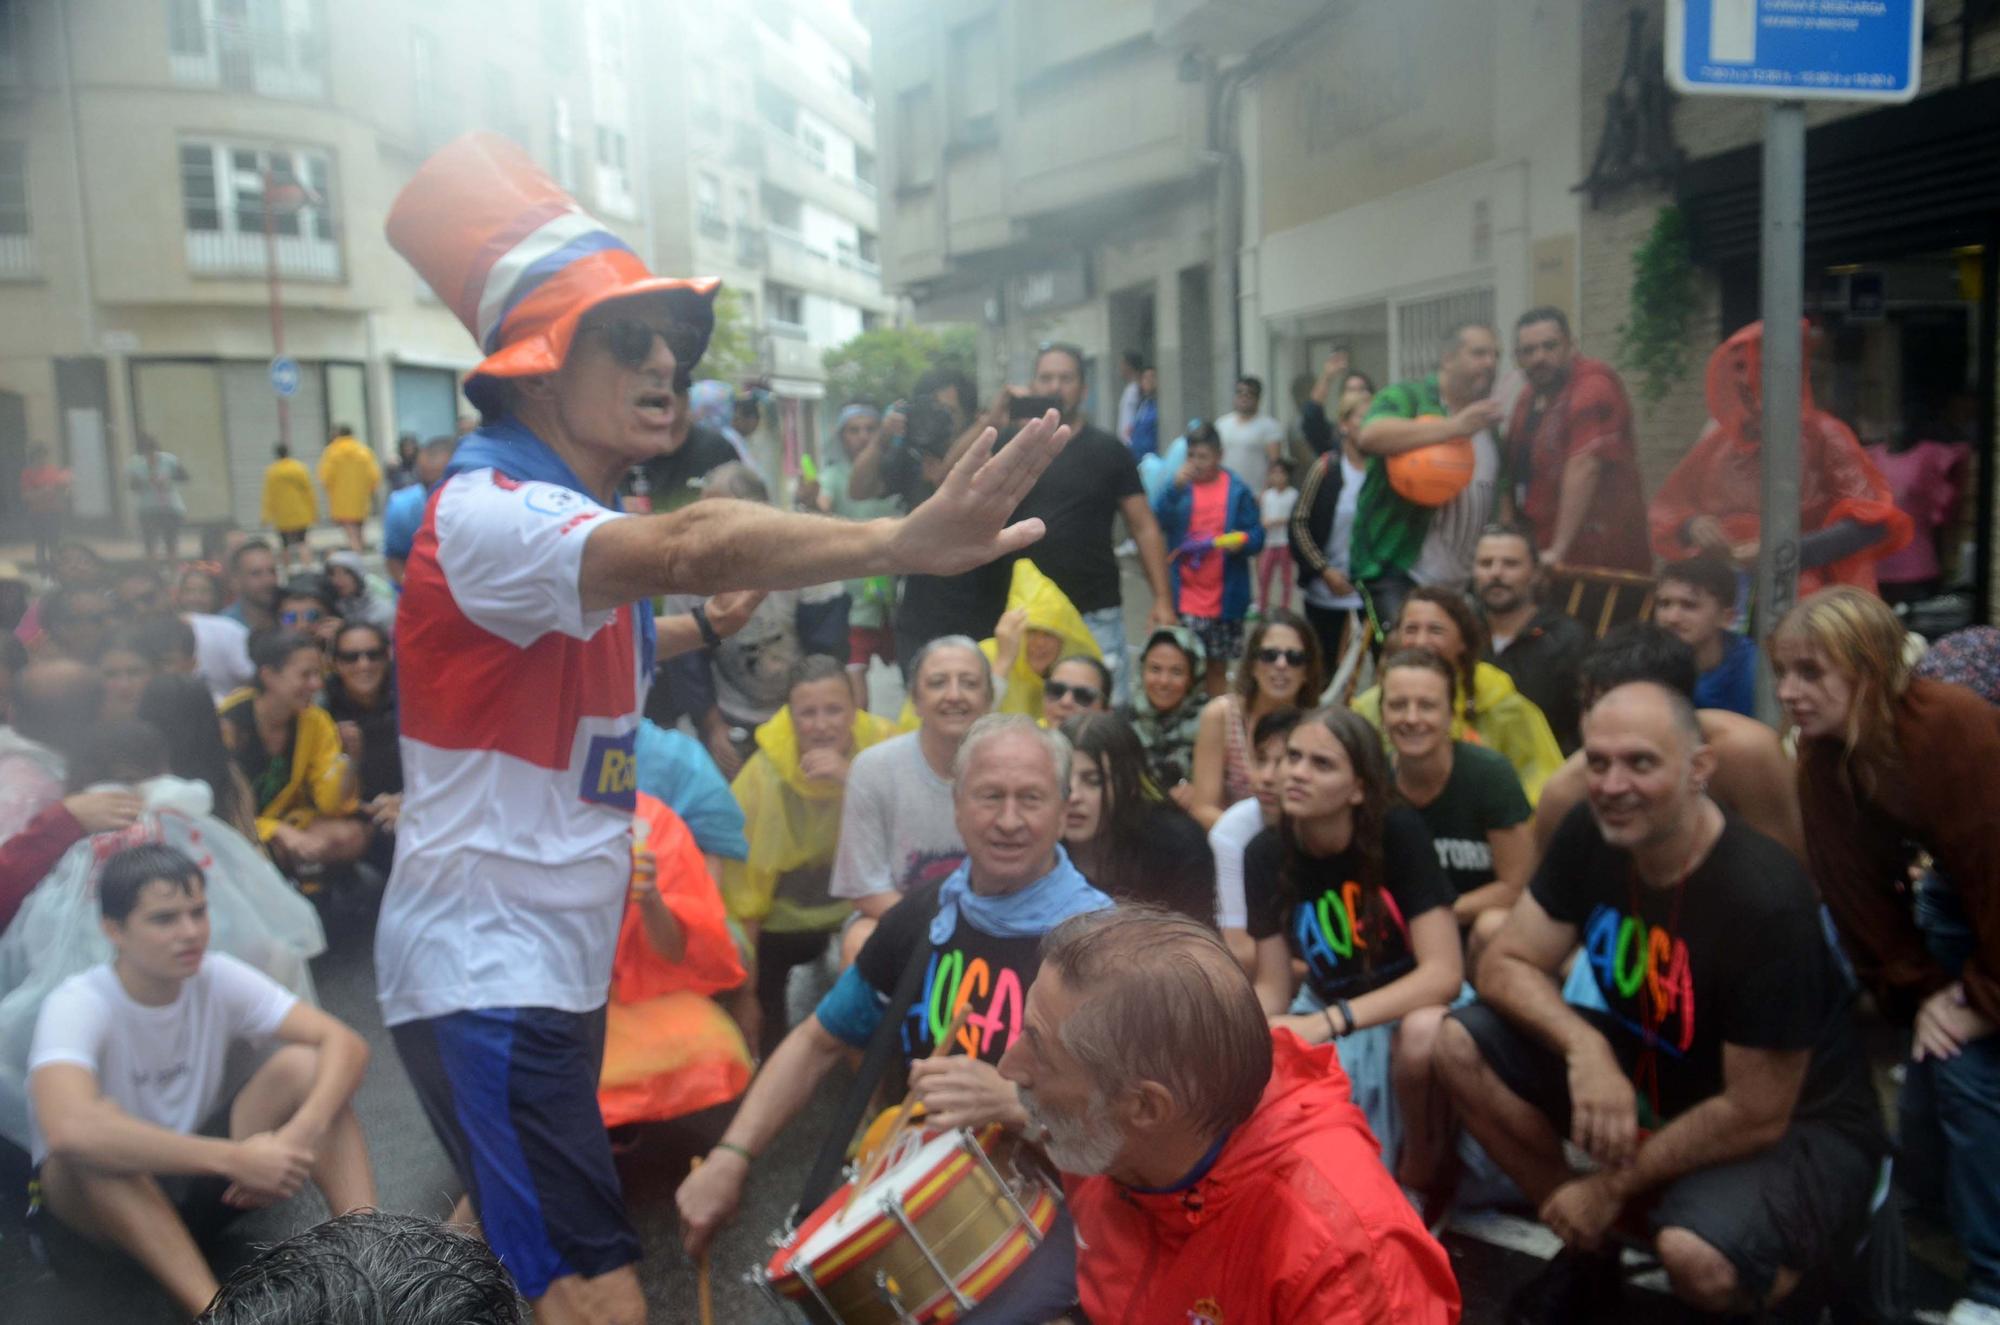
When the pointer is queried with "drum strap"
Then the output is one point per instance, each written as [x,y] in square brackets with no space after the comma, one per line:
[875,1060]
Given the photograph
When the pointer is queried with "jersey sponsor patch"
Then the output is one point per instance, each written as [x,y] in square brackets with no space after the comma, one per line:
[611,773]
[547,499]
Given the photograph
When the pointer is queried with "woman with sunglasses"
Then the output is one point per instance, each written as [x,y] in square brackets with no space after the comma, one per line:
[1486,708]
[1165,708]
[1467,795]
[1281,668]
[1348,883]
[305,605]
[361,697]
[288,750]
[1076,684]
[1133,845]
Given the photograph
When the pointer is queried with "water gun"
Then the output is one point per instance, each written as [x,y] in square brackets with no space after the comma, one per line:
[1197,549]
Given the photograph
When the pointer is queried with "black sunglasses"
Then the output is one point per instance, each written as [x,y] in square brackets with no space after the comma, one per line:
[1293,657]
[360,655]
[1084,695]
[307,617]
[630,341]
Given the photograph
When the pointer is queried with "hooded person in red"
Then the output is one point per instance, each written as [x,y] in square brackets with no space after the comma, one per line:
[1848,518]
[1216,1170]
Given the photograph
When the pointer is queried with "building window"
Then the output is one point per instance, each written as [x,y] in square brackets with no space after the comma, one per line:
[708,206]
[814,142]
[562,144]
[916,136]
[222,205]
[788,309]
[274,48]
[975,82]
[17,240]
[611,109]
[14,190]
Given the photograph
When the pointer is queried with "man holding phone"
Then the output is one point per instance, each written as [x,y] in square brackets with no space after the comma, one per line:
[1092,480]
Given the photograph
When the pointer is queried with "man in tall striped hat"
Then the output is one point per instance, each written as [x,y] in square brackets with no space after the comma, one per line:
[526,646]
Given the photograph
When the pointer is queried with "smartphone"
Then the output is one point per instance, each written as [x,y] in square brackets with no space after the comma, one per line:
[1032,407]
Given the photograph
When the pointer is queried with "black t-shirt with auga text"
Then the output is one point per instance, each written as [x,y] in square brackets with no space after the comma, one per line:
[1738,954]
[1353,938]
[990,974]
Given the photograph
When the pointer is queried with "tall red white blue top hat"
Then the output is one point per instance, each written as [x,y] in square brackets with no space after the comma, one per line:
[520,262]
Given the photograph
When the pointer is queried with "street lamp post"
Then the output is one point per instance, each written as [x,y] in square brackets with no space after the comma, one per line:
[283,196]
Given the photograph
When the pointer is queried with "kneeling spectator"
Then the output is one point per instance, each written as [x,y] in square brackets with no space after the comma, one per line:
[288,750]
[791,792]
[1745,1141]
[361,697]
[138,1139]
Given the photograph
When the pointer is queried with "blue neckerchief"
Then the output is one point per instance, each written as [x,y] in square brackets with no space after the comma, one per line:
[509,447]
[1193,1175]
[1036,909]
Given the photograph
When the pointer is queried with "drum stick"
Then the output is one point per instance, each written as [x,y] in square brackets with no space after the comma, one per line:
[939,1050]
[701,1272]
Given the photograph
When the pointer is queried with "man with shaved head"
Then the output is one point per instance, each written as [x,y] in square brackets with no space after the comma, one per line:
[1718,1093]
[1217,1170]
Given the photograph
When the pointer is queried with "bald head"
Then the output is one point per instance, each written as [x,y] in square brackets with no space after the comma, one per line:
[1646,763]
[56,702]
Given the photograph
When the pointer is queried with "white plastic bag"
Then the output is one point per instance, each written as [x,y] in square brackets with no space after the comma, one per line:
[254,915]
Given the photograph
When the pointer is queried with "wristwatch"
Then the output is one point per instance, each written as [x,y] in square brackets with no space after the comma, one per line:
[701,623]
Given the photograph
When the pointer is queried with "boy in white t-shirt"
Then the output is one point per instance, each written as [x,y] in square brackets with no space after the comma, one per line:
[138,1141]
[1275,506]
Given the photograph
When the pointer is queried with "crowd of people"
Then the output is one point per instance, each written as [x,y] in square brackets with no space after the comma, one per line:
[1280,934]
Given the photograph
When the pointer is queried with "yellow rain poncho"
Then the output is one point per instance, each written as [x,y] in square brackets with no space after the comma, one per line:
[1049,609]
[791,822]
[1504,719]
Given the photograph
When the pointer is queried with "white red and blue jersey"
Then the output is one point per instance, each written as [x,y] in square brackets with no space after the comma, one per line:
[518,712]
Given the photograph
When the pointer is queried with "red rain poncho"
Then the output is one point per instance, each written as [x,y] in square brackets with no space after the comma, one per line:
[1721,475]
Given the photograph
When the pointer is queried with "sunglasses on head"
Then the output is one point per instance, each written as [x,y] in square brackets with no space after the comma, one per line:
[1290,657]
[1083,695]
[630,340]
[305,618]
[360,655]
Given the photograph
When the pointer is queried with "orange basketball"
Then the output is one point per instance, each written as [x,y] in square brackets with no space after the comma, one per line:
[1432,475]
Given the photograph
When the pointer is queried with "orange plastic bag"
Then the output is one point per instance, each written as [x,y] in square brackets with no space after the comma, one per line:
[669,1050]
[668,1057]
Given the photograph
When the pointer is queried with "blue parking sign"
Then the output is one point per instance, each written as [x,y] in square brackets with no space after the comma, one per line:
[1800,50]
[285,376]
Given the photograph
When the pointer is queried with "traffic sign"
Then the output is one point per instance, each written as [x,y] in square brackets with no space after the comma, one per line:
[285,376]
[1796,50]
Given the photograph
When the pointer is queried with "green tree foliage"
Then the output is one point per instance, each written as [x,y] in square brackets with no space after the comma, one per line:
[883,366]
[732,346]
[1653,340]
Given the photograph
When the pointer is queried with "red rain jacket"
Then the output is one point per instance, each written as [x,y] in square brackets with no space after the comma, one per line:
[1297,1221]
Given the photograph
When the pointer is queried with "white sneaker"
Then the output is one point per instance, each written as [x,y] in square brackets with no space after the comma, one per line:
[1967,1312]
[1126,549]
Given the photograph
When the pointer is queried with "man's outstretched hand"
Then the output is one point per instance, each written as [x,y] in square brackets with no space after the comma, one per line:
[964,524]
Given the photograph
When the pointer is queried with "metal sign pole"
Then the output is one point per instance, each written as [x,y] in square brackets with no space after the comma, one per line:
[1784,367]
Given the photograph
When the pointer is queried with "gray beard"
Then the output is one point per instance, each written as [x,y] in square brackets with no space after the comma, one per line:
[1080,1146]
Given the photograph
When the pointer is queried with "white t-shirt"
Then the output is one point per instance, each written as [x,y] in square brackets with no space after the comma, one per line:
[1246,446]
[221,653]
[1446,556]
[1128,410]
[518,715]
[161,1065]
[1275,508]
[1227,839]
[1340,540]
[897,829]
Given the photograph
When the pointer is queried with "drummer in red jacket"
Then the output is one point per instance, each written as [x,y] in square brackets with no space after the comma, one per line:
[1216,1169]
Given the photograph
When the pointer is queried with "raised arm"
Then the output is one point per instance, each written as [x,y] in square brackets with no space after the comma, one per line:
[712,546]
[1391,436]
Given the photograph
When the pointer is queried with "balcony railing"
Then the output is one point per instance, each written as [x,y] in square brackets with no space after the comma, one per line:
[18,258]
[789,330]
[221,253]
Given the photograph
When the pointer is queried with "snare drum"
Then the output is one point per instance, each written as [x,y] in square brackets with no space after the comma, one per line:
[952,1215]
